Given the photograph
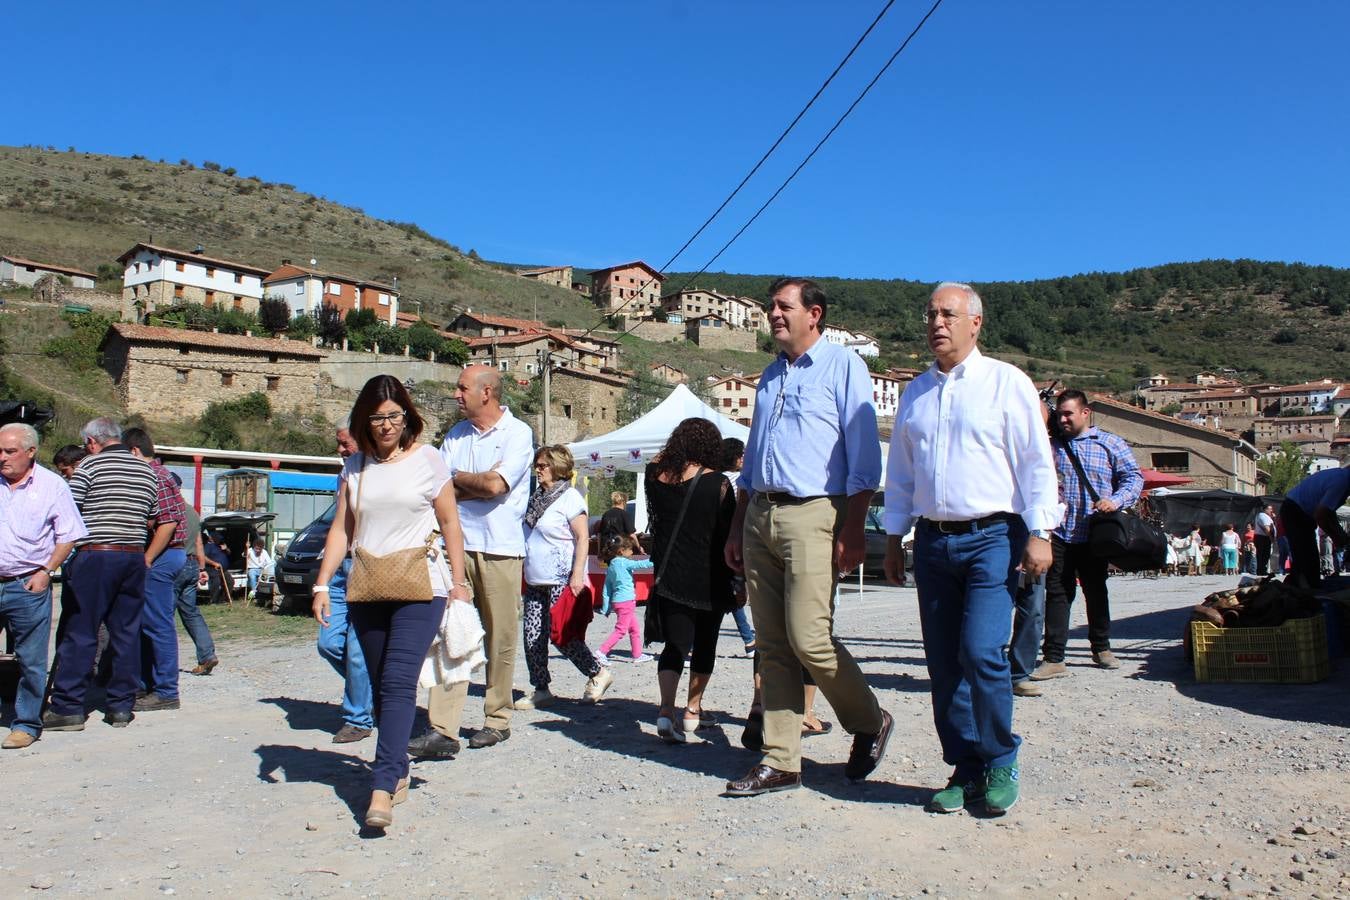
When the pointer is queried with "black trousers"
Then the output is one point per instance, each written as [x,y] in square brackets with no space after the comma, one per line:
[1262,555]
[1305,558]
[1073,564]
[688,630]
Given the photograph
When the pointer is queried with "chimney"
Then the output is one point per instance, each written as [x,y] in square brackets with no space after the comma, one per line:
[285,262]
[198,250]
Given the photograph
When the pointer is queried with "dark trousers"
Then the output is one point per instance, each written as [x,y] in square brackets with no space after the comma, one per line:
[1028,627]
[1074,564]
[394,638]
[109,590]
[1262,555]
[688,630]
[1305,560]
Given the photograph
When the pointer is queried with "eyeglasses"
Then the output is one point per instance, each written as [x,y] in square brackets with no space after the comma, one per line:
[932,316]
[541,465]
[394,418]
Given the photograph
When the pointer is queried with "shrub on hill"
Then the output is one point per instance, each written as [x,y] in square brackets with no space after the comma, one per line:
[219,425]
[79,349]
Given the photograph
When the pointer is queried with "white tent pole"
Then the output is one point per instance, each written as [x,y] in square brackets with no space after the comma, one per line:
[640,505]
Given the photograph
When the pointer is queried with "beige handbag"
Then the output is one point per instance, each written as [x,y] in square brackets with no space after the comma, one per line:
[399,576]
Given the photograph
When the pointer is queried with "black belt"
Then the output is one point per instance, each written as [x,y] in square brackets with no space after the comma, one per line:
[779,498]
[966,526]
[10,579]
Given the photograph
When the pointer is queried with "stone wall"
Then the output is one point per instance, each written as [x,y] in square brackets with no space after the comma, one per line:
[140,300]
[723,338]
[590,402]
[49,290]
[164,382]
[351,369]
[652,330]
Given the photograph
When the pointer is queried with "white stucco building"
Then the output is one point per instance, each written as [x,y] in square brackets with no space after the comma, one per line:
[161,277]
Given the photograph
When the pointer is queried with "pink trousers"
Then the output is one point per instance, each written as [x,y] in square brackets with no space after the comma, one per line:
[627,624]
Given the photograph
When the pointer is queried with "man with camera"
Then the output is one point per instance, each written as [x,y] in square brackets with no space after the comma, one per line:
[1112,482]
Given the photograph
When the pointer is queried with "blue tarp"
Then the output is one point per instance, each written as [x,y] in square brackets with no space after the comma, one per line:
[297,481]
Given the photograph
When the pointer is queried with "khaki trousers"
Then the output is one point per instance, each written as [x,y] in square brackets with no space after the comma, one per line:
[495,583]
[790,579]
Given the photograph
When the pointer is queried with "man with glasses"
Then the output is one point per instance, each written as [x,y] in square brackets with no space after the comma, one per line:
[489,453]
[811,466]
[970,468]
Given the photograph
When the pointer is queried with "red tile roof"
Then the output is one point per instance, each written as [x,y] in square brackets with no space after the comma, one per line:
[50,267]
[505,321]
[509,340]
[290,271]
[628,265]
[529,272]
[152,334]
[190,257]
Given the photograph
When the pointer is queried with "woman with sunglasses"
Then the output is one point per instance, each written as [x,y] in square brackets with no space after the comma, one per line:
[393,495]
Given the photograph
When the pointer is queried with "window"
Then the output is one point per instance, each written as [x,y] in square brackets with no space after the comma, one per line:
[334,288]
[1172,462]
[210,298]
[226,379]
[274,382]
[238,278]
[178,266]
[238,303]
[182,376]
[384,299]
[567,407]
[299,288]
[178,291]
[183,351]
[271,357]
[745,401]
[726,401]
[210,271]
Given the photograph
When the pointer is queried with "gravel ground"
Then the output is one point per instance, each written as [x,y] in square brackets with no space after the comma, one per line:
[1135,782]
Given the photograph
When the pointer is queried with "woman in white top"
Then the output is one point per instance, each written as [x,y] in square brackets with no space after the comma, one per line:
[556,541]
[393,495]
[1230,542]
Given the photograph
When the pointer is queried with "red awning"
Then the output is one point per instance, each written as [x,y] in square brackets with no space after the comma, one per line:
[1153,479]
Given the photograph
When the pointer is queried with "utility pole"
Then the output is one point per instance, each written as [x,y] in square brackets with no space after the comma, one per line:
[547,365]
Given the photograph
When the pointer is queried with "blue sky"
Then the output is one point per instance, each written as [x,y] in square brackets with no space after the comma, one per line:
[1014,139]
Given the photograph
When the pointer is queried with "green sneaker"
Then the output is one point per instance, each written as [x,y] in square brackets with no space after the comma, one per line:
[958,792]
[1001,795]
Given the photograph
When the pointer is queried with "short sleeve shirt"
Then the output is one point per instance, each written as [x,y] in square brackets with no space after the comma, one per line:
[550,544]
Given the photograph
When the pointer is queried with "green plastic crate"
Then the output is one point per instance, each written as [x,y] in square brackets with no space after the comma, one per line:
[1292,653]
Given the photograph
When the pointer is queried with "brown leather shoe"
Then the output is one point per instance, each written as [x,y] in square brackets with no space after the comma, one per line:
[380,812]
[17,740]
[763,780]
[205,668]
[349,733]
[868,749]
[1027,688]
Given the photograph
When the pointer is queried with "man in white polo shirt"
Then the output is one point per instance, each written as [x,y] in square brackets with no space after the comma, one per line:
[489,453]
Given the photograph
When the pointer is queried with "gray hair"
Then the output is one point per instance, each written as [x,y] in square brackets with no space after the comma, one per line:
[344,423]
[973,305]
[28,436]
[102,430]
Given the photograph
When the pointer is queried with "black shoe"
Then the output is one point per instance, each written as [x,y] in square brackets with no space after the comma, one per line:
[349,734]
[433,745]
[868,749]
[53,722]
[752,738]
[152,701]
[119,718]
[486,737]
[763,780]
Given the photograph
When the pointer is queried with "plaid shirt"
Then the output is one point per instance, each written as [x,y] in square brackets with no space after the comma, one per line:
[1110,467]
[171,505]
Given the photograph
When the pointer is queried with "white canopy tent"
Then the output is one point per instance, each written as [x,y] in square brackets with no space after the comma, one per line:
[630,448]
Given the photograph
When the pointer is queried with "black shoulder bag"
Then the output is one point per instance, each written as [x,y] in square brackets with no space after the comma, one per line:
[651,623]
[1122,538]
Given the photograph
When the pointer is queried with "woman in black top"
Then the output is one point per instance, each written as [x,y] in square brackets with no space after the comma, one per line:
[693,592]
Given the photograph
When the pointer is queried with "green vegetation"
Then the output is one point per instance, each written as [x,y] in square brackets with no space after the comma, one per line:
[79,348]
[1287,467]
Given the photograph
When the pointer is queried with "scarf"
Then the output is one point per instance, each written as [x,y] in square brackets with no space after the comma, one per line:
[542,499]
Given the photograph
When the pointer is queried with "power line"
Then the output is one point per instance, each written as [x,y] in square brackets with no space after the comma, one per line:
[814,150]
[767,153]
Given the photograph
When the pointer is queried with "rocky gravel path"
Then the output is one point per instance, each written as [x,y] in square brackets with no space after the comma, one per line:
[1138,782]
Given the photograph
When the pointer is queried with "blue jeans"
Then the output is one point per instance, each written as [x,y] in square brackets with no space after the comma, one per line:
[27,618]
[338,645]
[109,589]
[159,638]
[185,598]
[739,613]
[395,638]
[253,576]
[966,584]
[1028,626]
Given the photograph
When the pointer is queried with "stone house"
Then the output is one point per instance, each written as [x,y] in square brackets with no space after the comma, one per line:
[1209,457]
[26,272]
[556,275]
[1271,432]
[633,288]
[739,312]
[668,373]
[161,277]
[1310,397]
[169,373]
[712,332]
[476,324]
[519,355]
[734,397]
[583,404]
[307,290]
[1165,395]
[1227,408]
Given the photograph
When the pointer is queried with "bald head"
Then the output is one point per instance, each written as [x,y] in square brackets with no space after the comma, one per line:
[479,394]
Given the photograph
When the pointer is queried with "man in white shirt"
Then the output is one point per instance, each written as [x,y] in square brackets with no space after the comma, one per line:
[489,453]
[971,469]
[1265,538]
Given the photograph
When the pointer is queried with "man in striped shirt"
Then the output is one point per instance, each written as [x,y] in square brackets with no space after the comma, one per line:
[117,498]
[164,559]
[1114,476]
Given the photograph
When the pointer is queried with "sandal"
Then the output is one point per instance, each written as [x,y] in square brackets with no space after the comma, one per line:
[703,719]
[752,738]
[666,731]
[825,728]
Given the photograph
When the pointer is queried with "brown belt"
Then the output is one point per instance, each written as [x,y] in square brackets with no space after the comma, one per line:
[112,548]
[10,579]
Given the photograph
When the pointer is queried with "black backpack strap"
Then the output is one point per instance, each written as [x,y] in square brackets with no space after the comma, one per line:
[1078,467]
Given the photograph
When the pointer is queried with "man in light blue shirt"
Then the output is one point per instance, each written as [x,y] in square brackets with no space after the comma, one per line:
[811,465]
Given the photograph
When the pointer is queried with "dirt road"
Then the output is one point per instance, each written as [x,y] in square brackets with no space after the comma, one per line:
[1136,782]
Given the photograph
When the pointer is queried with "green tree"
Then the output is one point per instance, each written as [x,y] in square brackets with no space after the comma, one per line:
[1287,467]
[302,327]
[219,425]
[274,314]
[332,330]
[79,349]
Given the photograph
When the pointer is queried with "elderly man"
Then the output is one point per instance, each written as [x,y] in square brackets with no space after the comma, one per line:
[970,468]
[811,466]
[337,639]
[38,526]
[489,453]
[117,496]
[165,557]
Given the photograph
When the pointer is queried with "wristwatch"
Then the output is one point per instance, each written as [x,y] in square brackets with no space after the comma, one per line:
[1040,533]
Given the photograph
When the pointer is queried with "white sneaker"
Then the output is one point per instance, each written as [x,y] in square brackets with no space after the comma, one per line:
[596,687]
[602,659]
[646,657]
[540,697]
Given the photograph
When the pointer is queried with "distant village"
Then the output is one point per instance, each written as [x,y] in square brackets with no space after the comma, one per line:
[1210,430]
